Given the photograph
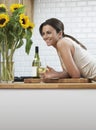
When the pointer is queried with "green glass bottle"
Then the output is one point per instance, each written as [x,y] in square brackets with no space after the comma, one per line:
[36,63]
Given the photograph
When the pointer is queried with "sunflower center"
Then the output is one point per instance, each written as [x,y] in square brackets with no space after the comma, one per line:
[23,21]
[15,8]
[2,21]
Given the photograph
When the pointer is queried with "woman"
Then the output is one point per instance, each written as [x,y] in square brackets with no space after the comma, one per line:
[74,57]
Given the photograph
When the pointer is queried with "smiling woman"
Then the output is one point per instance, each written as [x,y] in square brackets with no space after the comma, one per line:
[75,60]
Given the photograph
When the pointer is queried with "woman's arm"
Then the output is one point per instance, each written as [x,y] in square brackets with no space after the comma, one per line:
[51,73]
[66,50]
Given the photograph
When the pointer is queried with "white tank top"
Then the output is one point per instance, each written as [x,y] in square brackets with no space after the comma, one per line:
[84,61]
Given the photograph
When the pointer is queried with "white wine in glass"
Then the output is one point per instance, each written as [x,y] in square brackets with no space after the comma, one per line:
[42,69]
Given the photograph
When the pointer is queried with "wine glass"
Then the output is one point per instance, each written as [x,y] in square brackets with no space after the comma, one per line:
[42,69]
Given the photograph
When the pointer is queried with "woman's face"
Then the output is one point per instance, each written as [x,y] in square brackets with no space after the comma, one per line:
[50,36]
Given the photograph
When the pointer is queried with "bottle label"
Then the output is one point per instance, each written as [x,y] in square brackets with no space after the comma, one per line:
[34,71]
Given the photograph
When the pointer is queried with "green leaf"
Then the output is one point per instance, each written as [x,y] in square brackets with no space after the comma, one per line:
[28,34]
[2,36]
[11,37]
[2,10]
[20,43]
[28,46]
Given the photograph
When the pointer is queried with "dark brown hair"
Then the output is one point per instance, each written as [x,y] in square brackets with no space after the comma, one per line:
[58,26]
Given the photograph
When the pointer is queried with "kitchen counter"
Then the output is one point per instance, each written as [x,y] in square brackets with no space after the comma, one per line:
[22,85]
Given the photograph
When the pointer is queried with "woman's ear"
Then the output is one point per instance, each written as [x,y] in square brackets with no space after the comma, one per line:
[60,34]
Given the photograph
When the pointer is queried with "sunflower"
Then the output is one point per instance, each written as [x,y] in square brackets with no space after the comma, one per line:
[24,21]
[14,27]
[13,7]
[4,19]
[31,25]
[3,8]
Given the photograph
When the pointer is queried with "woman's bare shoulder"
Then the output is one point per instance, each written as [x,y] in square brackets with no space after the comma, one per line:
[64,42]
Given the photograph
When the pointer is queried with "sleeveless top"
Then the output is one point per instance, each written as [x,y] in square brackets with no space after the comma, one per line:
[84,61]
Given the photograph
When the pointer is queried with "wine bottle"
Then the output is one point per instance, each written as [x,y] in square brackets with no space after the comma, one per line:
[36,63]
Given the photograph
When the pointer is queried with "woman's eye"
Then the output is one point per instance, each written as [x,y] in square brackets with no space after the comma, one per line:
[48,32]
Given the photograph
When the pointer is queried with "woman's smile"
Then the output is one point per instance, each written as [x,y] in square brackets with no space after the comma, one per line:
[48,41]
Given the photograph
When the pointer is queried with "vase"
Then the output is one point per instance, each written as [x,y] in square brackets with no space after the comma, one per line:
[7,72]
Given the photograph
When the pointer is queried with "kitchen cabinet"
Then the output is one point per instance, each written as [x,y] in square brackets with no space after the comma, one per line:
[47,109]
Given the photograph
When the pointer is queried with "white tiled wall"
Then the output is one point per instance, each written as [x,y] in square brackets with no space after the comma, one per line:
[79,18]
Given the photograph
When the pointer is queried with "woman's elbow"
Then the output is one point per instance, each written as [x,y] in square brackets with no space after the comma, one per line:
[76,75]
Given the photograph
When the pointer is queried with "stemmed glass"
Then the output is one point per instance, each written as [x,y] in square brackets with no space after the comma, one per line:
[42,69]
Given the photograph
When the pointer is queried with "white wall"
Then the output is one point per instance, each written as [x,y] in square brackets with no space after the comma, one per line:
[79,18]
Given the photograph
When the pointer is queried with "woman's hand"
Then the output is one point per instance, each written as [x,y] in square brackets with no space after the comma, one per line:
[51,73]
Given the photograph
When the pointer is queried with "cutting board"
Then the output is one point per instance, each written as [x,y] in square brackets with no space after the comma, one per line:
[65,80]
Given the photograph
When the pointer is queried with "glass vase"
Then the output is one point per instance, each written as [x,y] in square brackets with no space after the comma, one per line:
[7,72]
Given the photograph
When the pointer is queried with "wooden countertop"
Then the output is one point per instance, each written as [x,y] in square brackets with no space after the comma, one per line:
[21,85]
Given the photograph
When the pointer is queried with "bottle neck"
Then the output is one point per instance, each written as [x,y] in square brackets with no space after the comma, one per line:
[37,52]
[36,56]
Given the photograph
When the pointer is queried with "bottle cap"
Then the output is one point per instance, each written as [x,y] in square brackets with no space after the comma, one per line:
[36,49]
